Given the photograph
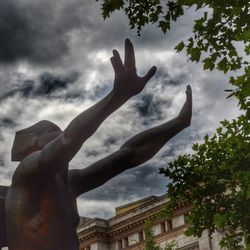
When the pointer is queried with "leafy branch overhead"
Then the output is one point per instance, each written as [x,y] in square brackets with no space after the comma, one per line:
[215,33]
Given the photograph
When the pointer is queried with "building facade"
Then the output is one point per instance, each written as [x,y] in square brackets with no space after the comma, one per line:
[125,231]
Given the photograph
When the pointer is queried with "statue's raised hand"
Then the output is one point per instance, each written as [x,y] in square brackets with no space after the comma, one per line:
[127,83]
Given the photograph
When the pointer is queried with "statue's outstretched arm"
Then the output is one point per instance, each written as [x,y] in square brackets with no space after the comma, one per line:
[53,157]
[126,84]
[134,152]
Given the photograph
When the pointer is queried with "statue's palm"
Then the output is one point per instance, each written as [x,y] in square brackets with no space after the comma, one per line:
[127,83]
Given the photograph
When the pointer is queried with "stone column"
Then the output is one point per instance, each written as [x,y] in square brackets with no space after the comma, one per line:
[204,241]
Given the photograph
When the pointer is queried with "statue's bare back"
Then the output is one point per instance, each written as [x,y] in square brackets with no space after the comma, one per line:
[42,216]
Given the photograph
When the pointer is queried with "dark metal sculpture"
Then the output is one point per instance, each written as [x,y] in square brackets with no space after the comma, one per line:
[3,234]
[40,205]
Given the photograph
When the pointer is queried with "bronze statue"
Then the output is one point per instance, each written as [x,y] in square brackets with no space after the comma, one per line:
[41,210]
[3,234]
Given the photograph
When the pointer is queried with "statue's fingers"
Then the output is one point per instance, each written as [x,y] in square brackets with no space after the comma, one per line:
[189,94]
[189,90]
[116,62]
[129,61]
[150,74]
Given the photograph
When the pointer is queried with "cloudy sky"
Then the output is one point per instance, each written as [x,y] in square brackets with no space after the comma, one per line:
[54,63]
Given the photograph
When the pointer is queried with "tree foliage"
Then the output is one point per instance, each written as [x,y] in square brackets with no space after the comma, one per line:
[215,179]
[150,242]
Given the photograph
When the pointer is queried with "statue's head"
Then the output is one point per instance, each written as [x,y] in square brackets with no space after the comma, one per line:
[33,138]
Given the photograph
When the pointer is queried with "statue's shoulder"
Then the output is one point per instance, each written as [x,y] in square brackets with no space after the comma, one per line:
[3,191]
[26,168]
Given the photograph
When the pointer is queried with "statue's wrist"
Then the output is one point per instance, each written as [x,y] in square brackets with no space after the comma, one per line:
[119,97]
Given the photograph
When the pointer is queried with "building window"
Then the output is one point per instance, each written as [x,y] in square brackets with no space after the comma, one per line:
[126,242]
[140,236]
[163,227]
[169,225]
[119,244]
[178,221]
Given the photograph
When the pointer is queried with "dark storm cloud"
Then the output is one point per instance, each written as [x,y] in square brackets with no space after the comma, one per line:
[7,122]
[149,107]
[37,31]
[50,83]
[1,162]
[152,105]
[25,90]
[43,32]
[45,85]
[92,152]
[138,182]
[110,141]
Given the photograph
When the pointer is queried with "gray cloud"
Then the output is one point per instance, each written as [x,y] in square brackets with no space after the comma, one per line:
[45,32]
[46,85]
[38,31]
[154,102]
[131,184]
[98,91]
[7,122]
[50,83]
[147,107]
[166,79]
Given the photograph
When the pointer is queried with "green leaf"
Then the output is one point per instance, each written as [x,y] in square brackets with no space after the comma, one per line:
[205,15]
[246,35]
[247,49]
[223,65]
[236,10]
[164,25]
[208,64]
[219,220]
[189,232]
[195,54]
[246,90]
[180,47]
[248,192]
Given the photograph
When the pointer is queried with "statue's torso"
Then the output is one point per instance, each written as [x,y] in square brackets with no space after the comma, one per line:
[42,218]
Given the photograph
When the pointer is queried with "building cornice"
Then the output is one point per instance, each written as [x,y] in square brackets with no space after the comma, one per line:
[134,223]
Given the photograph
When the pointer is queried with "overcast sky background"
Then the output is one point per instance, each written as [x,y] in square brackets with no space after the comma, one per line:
[54,63]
